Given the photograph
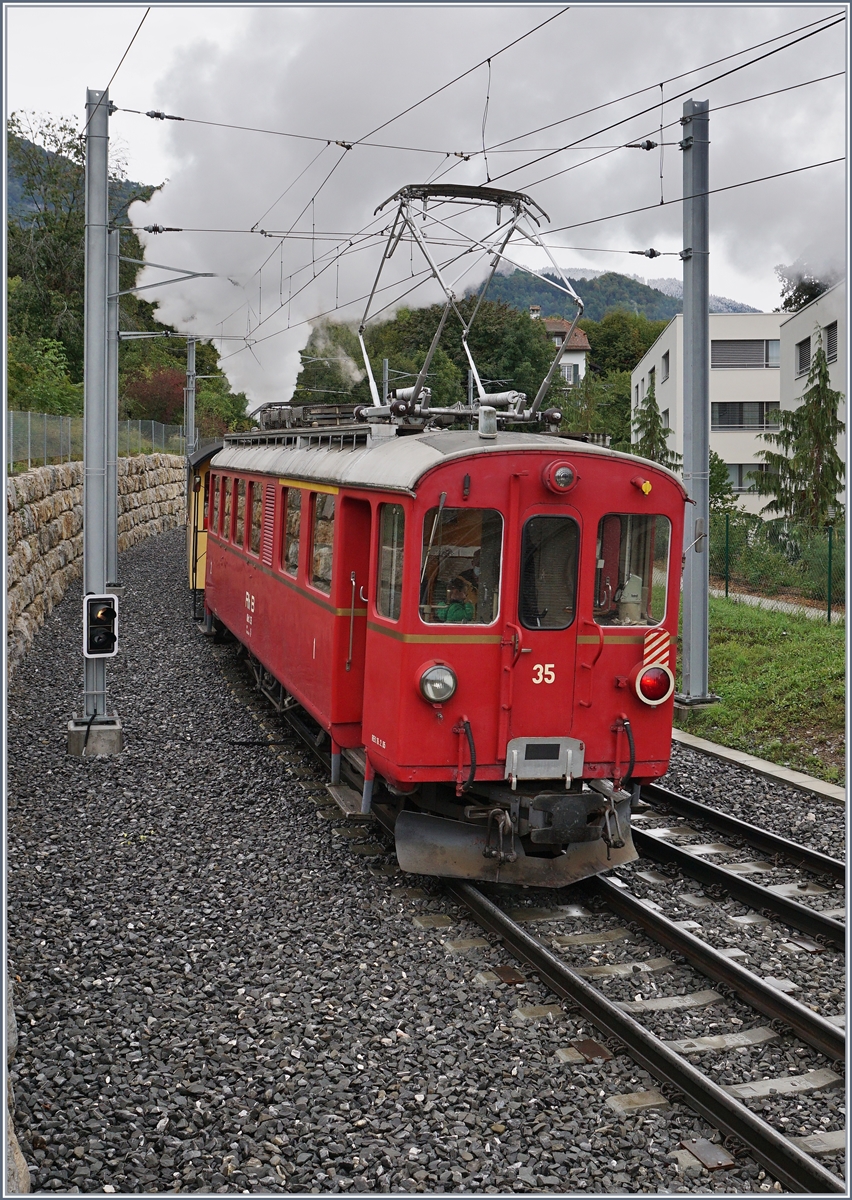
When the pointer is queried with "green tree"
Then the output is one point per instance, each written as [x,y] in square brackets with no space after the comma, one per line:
[218,410]
[804,476]
[38,378]
[650,440]
[801,283]
[620,340]
[722,496]
[599,404]
[510,350]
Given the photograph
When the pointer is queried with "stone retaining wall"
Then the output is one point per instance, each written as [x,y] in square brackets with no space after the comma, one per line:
[44,543]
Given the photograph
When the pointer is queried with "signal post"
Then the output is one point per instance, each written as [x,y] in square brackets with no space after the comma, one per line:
[96,731]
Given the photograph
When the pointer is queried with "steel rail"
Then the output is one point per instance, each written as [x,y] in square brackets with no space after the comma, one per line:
[753,835]
[786,1162]
[800,916]
[812,1028]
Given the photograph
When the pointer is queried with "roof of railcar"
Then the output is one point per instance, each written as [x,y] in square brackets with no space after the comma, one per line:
[340,458]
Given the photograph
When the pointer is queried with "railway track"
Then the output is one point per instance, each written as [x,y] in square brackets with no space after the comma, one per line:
[782,1156]
[674,1062]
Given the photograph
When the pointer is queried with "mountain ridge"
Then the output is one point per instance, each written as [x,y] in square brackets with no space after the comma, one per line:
[601,292]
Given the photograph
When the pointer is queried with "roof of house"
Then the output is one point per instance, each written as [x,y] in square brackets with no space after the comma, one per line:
[578,341]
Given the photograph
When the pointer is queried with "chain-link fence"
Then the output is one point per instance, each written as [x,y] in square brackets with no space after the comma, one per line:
[773,566]
[35,439]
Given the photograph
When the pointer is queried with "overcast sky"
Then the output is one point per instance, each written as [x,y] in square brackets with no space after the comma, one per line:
[337,72]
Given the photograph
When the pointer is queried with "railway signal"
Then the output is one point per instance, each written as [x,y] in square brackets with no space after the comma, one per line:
[100,626]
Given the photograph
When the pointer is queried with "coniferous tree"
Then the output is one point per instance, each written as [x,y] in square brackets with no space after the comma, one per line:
[805,475]
[650,433]
[722,496]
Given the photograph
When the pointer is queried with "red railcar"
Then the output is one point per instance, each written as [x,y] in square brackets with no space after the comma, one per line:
[484,624]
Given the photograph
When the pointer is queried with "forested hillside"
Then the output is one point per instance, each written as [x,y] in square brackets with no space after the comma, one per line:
[606,293]
[45,290]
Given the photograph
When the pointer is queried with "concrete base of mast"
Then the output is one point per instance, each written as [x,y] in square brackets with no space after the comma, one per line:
[103,735]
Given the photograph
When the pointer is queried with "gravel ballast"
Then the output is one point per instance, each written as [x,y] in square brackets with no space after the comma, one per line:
[217,992]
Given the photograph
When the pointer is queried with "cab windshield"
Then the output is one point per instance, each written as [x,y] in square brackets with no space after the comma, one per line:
[460,566]
[632,568]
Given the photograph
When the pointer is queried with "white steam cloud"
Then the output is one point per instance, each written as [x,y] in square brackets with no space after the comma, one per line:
[337,73]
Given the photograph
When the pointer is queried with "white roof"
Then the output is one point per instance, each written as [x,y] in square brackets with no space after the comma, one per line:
[393,464]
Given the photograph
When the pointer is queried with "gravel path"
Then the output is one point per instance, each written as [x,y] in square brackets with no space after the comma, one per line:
[216,992]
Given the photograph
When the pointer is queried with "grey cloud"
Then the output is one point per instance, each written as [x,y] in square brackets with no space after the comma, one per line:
[337,72]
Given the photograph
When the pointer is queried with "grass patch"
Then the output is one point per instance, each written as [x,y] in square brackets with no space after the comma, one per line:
[781,679]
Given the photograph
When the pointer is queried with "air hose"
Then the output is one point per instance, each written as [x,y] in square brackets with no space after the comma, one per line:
[469,734]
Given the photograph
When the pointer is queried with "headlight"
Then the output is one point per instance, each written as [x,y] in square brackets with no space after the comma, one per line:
[559,477]
[437,684]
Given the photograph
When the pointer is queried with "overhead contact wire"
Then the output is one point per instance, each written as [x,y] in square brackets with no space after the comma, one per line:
[671,79]
[677,96]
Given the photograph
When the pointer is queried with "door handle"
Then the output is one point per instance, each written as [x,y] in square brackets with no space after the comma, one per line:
[361,595]
[351,623]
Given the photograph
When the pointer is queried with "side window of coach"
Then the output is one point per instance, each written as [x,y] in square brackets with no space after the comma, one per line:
[632,569]
[240,532]
[391,538]
[460,567]
[548,572]
[291,531]
[214,515]
[256,517]
[323,541]
[226,508]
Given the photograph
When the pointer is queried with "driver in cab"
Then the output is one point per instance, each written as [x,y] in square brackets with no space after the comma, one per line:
[460,607]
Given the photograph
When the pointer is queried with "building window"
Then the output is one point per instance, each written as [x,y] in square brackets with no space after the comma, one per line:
[664,417]
[803,356]
[652,378]
[745,353]
[744,414]
[570,373]
[831,342]
[664,368]
[636,394]
[323,543]
[742,475]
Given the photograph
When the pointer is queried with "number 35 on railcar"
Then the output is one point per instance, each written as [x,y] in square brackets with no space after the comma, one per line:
[483,624]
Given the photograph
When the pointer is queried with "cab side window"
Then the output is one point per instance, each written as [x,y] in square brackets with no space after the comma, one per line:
[291,531]
[323,541]
[391,537]
[632,569]
[548,572]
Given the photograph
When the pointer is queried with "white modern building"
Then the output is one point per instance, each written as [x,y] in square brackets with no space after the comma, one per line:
[752,374]
[826,319]
[745,389]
